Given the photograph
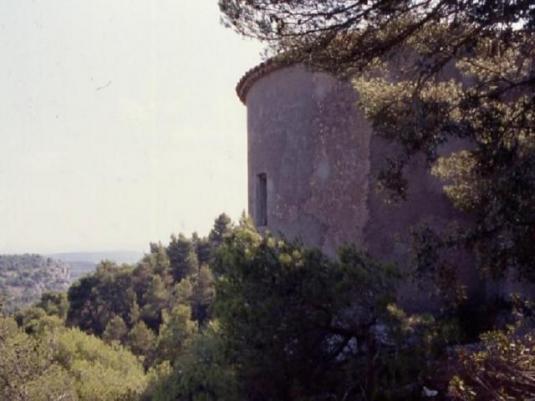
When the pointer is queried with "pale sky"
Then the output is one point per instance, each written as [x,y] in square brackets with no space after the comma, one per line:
[119,124]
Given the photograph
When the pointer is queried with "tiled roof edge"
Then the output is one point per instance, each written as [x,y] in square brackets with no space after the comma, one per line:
[257,72]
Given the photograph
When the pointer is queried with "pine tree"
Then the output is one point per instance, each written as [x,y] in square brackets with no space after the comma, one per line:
[141,340]
[159,260]
[155,300]
[203,248]
[222,228]
[203,295]
[183,292]
[54,303]
[175,332]
[182,256]
[116,330]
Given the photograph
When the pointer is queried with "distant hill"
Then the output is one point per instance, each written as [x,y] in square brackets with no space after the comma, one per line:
[23,278]
[96,257]
[83,263]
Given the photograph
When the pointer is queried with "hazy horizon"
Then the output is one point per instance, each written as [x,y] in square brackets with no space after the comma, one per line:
[120,124]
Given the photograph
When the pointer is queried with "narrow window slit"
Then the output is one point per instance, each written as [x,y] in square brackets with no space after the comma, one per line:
[261,200]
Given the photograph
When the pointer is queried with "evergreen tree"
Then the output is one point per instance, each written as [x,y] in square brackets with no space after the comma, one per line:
[158,260]
[30,319]
[203,248]
[65,364]
[141,340]
[96,298]
[298,325]
[203,295]
[101,372]
[175,333]
[116,330]
[222,228]
[141,279]
[200,372]
[183,292]
[27,369]
[154,301]
[54,303]
[182,256]
[134,314]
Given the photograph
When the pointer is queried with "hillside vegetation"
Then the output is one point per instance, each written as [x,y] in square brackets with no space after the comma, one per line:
[238,315]
[23,278]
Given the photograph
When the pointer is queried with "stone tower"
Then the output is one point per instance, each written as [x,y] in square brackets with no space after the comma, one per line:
[312,166]
[312,163]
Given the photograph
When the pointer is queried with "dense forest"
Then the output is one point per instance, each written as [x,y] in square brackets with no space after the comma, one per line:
[23,278]
[240,315]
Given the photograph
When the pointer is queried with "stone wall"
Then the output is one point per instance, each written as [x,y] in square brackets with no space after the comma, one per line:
[308,137]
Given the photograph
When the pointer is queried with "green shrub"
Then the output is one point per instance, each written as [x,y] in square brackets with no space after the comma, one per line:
[502,369]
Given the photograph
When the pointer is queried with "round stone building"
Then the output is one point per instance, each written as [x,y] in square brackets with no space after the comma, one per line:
[312,163]
[312,166]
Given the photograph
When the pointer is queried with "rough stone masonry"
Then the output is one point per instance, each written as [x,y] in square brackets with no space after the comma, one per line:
[312,163]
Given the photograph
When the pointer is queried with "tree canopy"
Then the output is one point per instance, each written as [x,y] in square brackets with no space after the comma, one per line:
[349,33]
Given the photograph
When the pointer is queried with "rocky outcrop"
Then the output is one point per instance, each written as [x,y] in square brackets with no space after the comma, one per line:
[23,278]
